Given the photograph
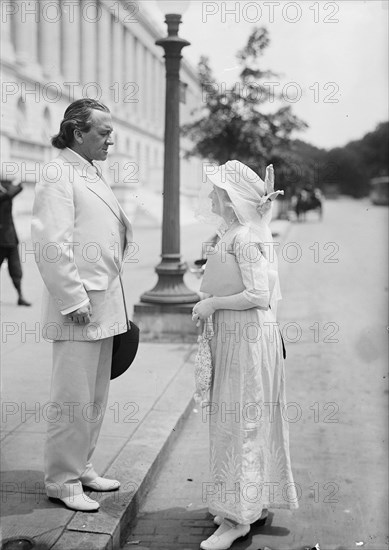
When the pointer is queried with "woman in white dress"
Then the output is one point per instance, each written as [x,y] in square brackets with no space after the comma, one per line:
[249,441]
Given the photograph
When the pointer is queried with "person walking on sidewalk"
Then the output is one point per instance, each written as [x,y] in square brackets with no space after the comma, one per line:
[77,217]
[8,237]
[249,441]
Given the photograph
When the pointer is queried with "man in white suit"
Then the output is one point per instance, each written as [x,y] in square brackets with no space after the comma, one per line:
[80,234]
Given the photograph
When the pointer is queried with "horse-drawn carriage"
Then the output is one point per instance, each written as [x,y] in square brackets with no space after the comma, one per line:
[305,200]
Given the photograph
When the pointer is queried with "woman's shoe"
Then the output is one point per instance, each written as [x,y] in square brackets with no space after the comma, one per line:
[218,520]
[225,536]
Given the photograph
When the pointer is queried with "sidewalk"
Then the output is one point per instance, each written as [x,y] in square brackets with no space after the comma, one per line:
[146,408]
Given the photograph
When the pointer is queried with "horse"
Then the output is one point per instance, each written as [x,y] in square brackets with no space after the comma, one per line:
[308,200]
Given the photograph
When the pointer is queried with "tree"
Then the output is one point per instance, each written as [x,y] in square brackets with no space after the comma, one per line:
[359,161]
[302,165]
[373,148]
[232,122]
[348,171]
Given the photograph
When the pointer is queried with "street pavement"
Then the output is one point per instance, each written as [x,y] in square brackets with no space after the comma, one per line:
[334,321]
[146,406]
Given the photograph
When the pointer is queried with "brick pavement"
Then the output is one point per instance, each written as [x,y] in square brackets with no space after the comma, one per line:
[173,516]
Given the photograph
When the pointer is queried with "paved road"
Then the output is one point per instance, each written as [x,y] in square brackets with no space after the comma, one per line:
[334,316]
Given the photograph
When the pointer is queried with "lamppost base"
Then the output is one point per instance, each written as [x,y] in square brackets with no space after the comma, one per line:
[170,288]
[165,322]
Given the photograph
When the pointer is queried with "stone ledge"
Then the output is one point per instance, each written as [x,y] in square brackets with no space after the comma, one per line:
[165,323]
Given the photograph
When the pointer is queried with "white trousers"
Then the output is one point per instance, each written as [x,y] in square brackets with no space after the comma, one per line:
[78,399]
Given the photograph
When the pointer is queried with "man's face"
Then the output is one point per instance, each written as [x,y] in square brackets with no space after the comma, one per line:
[96,142]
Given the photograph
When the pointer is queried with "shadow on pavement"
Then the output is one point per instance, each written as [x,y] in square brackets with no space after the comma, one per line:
[183,529]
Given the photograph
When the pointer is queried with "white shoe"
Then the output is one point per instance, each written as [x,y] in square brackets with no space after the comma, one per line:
[81,503]
[102,484]
[223,537]
[218,520]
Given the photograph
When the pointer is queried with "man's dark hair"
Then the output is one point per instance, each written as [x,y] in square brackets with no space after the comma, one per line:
[77,116]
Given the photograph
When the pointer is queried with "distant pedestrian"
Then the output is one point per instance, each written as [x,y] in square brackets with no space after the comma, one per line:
[249,438]
[84,308]
[8,237]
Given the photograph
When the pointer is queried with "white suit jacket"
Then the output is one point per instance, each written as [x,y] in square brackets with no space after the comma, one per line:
[81,236]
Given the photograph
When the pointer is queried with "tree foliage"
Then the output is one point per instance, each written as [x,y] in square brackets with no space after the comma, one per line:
[236,123]
[355,164]
[232,123]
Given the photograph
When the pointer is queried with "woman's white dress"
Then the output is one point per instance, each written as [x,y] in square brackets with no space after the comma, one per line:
[249,440]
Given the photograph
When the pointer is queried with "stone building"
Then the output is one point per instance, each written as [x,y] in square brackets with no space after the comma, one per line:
[53,52]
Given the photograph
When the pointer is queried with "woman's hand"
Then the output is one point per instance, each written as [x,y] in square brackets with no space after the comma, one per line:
[202,310]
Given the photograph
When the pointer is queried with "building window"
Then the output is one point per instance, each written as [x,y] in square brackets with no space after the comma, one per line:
[138,161]
[13,31]
[147,164]
[21,118]
[47,128]
[183,88]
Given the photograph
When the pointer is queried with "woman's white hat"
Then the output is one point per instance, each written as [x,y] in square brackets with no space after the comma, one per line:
[248,194]
[247,191]
[234,175]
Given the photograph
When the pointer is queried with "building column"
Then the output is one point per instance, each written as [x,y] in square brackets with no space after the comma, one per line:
[156,92]
[144,92]
[148,85]
[161,98]
[140,79]
[117,61]
[71,54]
[6,171]
[135,77]
[104,54]
[7,47]
[88,73]
[129,81]
[50,38]
[25,31]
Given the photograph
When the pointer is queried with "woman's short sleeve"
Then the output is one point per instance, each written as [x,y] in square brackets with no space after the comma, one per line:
[253,266]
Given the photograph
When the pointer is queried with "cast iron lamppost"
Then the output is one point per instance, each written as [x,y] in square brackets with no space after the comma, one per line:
[170,289]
